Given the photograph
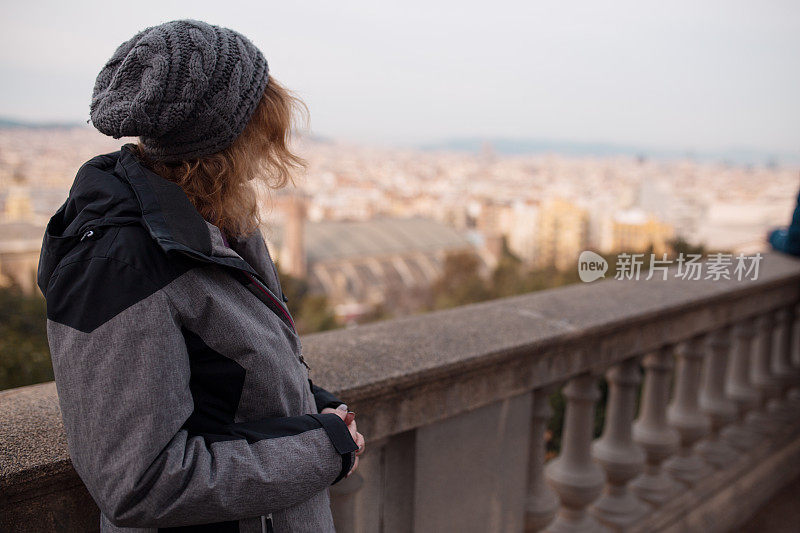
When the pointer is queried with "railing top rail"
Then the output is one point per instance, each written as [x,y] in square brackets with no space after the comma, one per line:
[365,361]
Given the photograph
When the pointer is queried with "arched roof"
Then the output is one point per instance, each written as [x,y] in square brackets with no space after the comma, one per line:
[329,240]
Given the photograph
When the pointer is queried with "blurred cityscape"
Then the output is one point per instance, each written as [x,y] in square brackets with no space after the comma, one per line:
[369,230]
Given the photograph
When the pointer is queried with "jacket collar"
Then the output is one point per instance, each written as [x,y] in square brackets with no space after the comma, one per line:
[171,218]
[177,226]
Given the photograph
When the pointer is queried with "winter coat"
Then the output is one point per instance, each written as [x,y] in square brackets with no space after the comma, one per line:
[183,389]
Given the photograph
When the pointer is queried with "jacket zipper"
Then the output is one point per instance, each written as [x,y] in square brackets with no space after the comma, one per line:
[269,295]
[262,288]
[285,313]
[87,233]
[255,279]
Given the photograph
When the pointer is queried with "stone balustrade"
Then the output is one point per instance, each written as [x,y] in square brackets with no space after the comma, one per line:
[700,419]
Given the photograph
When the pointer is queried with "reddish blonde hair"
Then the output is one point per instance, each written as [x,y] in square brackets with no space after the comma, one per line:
[223,187]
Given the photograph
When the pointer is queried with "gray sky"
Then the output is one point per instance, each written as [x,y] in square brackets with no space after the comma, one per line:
[698,75]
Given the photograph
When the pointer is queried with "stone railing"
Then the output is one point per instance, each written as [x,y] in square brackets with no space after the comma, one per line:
[454,406]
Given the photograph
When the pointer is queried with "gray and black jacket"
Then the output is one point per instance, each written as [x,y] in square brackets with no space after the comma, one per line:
[183,389]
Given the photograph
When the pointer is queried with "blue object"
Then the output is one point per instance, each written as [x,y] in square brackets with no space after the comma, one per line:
[787,240]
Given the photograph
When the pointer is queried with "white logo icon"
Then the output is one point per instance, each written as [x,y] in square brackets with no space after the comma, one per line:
[591,266]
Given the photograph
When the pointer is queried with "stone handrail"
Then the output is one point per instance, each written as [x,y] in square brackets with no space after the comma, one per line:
[454,405]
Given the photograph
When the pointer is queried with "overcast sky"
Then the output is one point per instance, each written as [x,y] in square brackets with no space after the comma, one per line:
[700,75]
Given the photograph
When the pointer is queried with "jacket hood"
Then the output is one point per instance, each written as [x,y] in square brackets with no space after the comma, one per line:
[116,189]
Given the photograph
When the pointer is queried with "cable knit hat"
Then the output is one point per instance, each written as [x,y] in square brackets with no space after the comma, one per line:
[185,88]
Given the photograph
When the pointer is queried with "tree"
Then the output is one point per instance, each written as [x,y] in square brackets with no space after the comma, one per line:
[311,312]
[460,282]
[508,276]
[679,245]
[24,351]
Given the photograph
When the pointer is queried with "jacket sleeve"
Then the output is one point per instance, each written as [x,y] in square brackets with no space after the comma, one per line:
[122,372]
[323,398]
[787,240]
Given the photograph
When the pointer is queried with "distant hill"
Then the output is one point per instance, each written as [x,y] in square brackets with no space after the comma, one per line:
[506,146]
[511,146]
[10,123]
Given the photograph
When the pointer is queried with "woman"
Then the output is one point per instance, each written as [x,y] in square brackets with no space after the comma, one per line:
[185,396]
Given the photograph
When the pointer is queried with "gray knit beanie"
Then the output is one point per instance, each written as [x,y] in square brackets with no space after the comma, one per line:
[185,88]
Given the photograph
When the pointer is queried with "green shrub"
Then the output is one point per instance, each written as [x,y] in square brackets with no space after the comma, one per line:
[24,352]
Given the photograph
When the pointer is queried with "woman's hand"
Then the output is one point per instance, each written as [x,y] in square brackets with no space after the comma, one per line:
[349,418]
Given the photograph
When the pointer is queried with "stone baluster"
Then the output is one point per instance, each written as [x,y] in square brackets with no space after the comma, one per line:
[685,416]
[782,364]
[794,391]
[573,475]
[740,390]
[768,386]
[796,338]
[620,457]
[542,502]
[651,431]
[720,410]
